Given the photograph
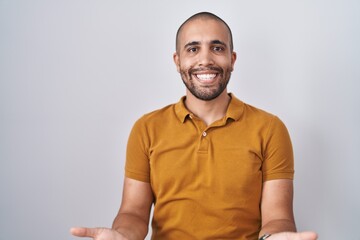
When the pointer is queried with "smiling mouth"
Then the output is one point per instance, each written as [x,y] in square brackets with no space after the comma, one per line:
[206,78]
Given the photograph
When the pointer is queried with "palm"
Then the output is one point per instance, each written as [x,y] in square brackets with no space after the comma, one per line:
[98,233]
[294,236]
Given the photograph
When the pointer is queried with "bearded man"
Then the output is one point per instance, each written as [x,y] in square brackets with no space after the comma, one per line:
[213,166]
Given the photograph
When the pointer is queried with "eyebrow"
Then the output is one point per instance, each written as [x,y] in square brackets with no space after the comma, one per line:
[195,43]
[218,42]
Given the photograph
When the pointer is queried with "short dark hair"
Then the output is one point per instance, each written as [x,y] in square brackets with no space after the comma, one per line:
[204,15]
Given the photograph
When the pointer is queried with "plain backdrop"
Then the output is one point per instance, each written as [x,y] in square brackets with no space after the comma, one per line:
[76,74]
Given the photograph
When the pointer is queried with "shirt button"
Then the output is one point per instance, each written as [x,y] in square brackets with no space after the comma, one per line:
[204,134]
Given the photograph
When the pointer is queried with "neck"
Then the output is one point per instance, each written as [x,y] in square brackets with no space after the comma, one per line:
[208,111]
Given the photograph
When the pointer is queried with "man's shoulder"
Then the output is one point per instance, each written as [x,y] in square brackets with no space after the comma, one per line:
[159,115]
[249,111]
[256,111]
[260,118]
[160,112]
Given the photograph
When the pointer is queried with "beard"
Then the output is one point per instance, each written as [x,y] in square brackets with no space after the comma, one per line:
[206,93]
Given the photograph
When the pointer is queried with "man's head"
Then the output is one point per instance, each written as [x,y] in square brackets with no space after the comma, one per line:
[204,16]
[204,55]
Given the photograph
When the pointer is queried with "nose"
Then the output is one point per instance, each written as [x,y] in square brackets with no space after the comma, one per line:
[205,58]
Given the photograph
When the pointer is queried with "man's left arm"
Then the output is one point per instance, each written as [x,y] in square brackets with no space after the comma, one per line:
[277,212]
[277,207]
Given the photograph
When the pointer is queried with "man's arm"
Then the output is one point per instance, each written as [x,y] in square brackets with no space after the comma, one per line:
[277,212]
[133,217]
[277,207]
[132,220]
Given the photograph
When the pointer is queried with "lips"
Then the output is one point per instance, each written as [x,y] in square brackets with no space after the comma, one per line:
[206,77]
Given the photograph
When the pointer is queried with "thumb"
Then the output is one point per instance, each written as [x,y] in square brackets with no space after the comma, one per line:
[86,232]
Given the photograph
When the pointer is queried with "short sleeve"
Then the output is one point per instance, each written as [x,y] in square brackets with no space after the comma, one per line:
[278,160]
[137,157]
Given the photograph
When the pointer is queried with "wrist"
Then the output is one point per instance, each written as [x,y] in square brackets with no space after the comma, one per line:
[265,236]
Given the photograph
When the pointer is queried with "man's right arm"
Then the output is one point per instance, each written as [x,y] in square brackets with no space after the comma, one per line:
[132,220]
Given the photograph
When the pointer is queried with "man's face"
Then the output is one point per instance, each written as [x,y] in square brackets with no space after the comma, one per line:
[204,59]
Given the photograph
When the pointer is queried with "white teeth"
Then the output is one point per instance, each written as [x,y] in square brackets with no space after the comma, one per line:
[206,77]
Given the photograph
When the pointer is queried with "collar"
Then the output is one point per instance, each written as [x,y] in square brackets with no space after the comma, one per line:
[234,111]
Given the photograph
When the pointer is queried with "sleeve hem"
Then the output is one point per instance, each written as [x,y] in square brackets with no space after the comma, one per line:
[283,175]
[137,176]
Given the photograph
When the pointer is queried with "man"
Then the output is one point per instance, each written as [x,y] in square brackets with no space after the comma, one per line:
[213,166]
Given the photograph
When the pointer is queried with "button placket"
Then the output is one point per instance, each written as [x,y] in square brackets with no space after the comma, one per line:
[202,129]
[204,142]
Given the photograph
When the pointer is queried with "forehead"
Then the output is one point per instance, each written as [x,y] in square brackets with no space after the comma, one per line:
[204,30]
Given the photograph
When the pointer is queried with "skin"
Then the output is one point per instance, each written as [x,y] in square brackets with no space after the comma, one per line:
[203,49]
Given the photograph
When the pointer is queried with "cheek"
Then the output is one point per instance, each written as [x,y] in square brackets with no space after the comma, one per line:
[225,62]
[227,66]
[186,63]
[184,68]
[185,74]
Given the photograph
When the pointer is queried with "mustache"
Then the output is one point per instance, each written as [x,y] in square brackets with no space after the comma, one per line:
[217,69]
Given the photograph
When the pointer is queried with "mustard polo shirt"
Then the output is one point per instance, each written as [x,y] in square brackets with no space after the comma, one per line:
[207,180]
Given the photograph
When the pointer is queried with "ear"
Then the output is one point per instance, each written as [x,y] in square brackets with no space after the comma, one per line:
[176,59]
[233,60]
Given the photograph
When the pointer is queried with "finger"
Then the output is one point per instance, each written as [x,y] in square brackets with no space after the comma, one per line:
[300,235]
[85,232]
[308,235]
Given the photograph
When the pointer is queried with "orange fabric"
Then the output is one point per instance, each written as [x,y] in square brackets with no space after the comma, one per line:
[207,180]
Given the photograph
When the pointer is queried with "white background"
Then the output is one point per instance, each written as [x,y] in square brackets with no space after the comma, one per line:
[76,74]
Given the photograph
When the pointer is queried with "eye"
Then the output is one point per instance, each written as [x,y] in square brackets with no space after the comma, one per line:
[192,49]
[218,49]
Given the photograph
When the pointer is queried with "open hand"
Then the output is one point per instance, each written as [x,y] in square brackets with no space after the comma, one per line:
[98,233]
[294,236]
